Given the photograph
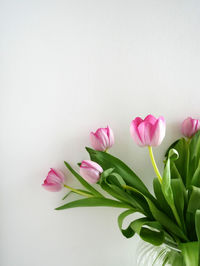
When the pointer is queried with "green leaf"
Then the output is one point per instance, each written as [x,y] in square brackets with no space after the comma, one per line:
[119,194]
[94,202]
[114,184]
[181,163]
[179,194]
[195,146]
[66,195]
[83,182]
[173,145]
[197,224]
[108,161]
[128,232]
[166,184]
[119,179]
[166,222]
[149,231]
[137,198]
[188,161]
[197,227]
[161,199]
[196,177]
[105,175]
[190,253]
[194,199]
[173,155]
[155,237]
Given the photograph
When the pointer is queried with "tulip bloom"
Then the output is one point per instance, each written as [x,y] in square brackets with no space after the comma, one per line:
[54,180]
[90,171]
[148,132]
[102,139]
[190,127]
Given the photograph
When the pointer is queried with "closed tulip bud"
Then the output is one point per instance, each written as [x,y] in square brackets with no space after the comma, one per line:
[102,139]
[190,127]
[54,180]
[90,171]
[148,132]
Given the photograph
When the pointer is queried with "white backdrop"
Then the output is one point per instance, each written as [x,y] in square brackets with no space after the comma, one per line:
[69,67]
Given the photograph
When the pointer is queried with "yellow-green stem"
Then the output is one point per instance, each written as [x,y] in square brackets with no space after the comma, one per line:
[154,164]
[77,191]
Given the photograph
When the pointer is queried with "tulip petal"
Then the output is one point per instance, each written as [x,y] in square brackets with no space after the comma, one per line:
[158,132]
[59,174]
[148,132]
[144,130]
[90,175]
[110,136]
[150,119]
[54,180]
[96,143]
[52,187]
[190,126]
[101,134]
[91,164]
[197,127]
[134,131]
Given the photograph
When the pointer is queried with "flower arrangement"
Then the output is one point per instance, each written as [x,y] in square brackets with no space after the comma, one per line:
[172,214]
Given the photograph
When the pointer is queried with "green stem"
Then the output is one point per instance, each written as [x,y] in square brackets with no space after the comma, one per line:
[154,164]
[130,188]
[77,191]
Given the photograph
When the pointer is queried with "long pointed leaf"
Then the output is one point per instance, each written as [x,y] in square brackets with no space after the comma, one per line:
[94,202]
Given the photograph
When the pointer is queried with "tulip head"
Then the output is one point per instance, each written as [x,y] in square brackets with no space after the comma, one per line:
[90,171]
[148,132]
[54,180]
[102,139]
[190,127]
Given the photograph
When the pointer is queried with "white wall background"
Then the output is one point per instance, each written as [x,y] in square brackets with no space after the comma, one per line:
[69,67]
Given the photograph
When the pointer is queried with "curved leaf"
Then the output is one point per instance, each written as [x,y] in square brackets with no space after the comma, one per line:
[152,234]
[128,232]
[149,231]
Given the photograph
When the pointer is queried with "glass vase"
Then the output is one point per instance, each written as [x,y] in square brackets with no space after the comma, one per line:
[164,255]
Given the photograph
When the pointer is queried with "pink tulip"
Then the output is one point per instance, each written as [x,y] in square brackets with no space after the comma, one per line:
[148,132]
[54,180]
[190,127]
[90,171]
[102,139]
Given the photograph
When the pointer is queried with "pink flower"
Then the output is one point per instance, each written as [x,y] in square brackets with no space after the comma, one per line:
[54,180]
[148,132]
[190,127]
[102,139]
[90,171]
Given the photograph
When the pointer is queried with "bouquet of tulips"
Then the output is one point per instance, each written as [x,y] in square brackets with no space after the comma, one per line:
[172,214]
